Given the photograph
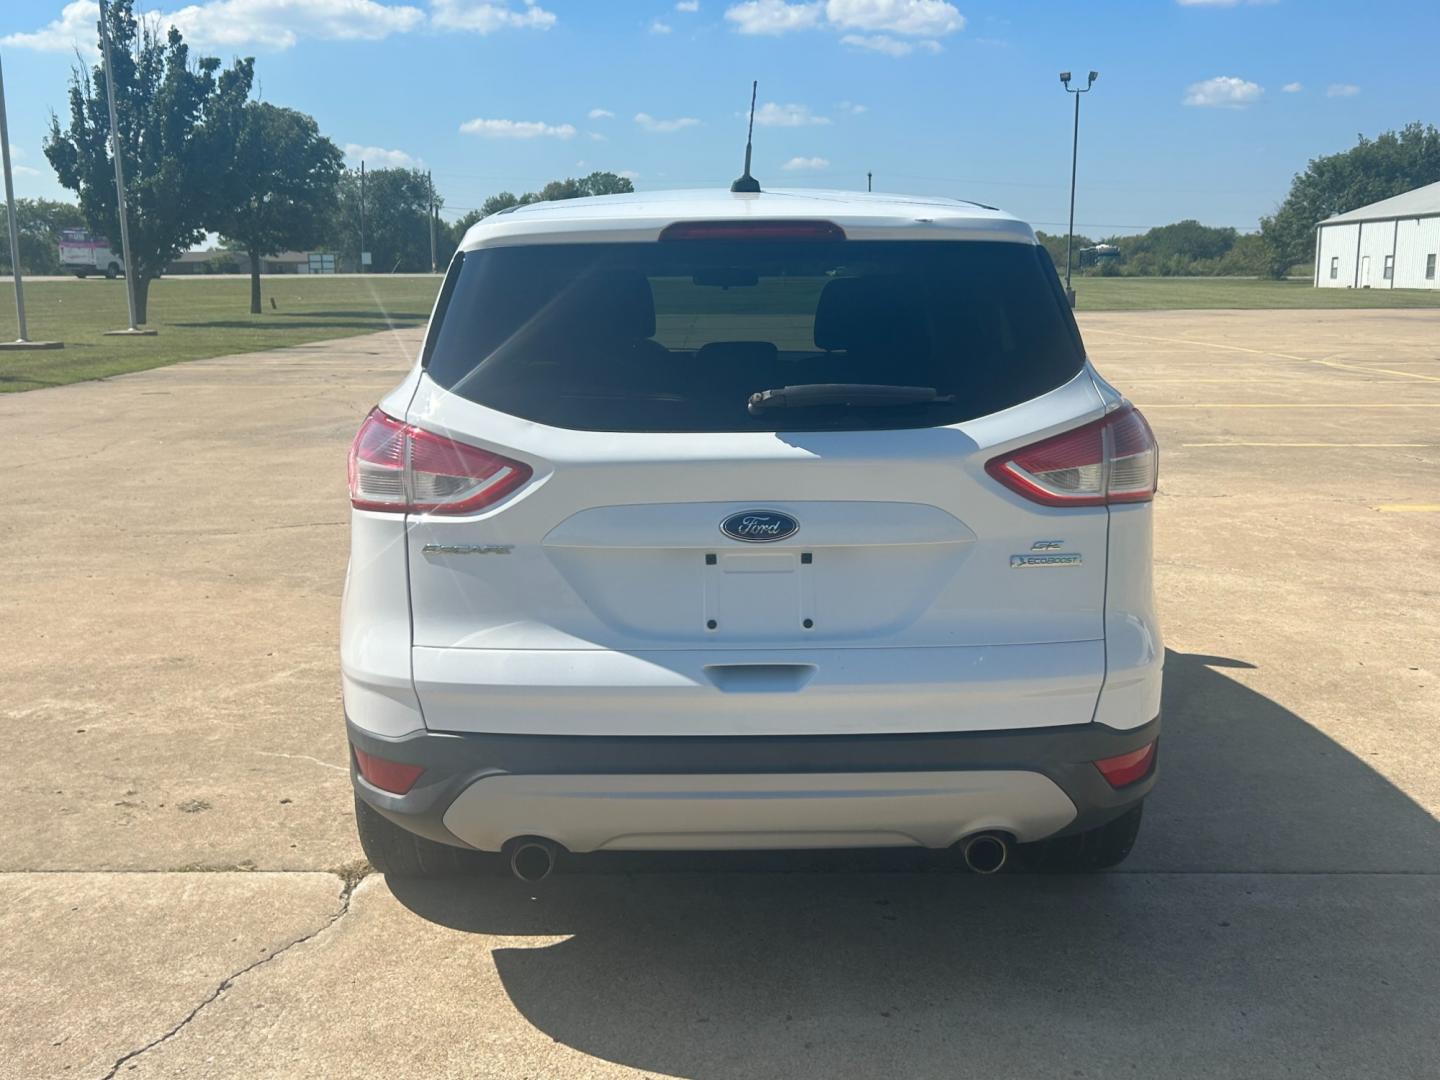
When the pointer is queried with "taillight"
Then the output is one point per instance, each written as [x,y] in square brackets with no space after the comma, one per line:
[395,777]
[1123,769]
[1111,460]
[402,468]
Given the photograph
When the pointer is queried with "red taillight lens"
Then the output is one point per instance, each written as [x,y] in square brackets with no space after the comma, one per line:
[753,230]
[392,776]
[1127,768]
[402,468]
[1111,460]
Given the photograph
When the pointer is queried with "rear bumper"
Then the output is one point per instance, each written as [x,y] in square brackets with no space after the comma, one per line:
[703,792]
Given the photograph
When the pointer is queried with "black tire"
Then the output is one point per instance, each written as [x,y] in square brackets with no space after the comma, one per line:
[112,272]
[396,852]
[82,274]
[1080,853]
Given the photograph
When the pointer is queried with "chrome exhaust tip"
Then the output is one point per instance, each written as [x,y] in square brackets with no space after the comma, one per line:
[532,859]
[986,853]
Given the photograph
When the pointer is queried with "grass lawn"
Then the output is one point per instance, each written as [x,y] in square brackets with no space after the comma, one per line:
[200,317]
[196,317]
[1159,293]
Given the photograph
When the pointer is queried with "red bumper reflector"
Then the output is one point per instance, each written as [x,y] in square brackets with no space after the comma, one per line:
[393,776]
[1127,768]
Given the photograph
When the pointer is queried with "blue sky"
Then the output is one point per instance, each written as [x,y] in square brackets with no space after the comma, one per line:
[1204,108]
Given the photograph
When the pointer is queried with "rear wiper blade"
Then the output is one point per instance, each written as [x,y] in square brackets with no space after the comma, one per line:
[855,395]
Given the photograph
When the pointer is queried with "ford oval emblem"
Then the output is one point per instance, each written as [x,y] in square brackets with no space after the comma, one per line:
[759,526]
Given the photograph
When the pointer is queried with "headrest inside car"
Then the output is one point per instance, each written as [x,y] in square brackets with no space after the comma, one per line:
[611,304]
[862,314]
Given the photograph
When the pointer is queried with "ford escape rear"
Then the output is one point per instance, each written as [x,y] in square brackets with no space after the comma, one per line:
[783,520]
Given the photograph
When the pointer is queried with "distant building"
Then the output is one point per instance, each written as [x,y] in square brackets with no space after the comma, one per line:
[222,261]
[1391,244]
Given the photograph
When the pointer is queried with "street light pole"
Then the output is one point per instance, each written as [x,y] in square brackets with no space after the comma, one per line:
[430,182]
[23,341]
[119,171]
[1074,160]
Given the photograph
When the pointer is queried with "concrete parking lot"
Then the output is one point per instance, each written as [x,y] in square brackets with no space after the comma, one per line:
[178,869]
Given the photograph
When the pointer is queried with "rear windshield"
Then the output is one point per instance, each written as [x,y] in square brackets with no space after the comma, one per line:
[677,336]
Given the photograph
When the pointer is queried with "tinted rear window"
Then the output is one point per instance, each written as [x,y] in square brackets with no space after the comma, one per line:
[676,336]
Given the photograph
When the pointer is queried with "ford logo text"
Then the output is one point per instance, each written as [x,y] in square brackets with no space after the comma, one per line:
[759,526]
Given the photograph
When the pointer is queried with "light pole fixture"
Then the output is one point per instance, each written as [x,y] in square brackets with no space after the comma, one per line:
[134,329]
[1074,157]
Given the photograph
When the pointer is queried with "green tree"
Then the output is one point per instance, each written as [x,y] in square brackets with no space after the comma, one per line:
[40,222]
[1373,169]
[1055,245]
[281,188]
[397,225]
[503,201]
[175,118]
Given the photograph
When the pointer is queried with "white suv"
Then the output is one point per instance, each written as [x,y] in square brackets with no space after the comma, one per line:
[781,520]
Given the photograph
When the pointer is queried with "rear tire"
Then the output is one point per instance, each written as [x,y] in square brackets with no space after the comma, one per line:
[112,271]
[1085,852]
[82,274]
[397,852]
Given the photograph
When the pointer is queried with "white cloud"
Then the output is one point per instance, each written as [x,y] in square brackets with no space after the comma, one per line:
[629,174]
[689,6]
[772,115]
[75,26]
[872,23]
[600,114]
[516,129]
[1223,92]
[664,127]
[379,157]
[279,24]
[272,24]
[1341,90]
[917,18]
[883,43]
[595,136]
[772,16]
[487,16]
[799,164]
[1292,88]
[658,27]
[25,170]
[851,108]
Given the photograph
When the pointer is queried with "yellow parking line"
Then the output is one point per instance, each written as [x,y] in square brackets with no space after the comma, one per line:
[1386,371]
[1265,352]
[1409,508]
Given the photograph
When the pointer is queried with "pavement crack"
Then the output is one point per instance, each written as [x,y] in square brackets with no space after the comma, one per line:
[350,880]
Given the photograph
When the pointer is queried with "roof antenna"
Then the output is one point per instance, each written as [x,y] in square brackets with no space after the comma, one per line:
[746,182]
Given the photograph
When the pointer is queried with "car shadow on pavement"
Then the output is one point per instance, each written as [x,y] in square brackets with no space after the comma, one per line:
[1245,936]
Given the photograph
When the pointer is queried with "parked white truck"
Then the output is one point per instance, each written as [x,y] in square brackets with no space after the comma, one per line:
[83,254]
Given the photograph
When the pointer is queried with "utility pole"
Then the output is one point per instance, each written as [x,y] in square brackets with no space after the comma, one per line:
[429,180]
[23,341]
[119,180]
[1074,158]
[869,181]
[362,216]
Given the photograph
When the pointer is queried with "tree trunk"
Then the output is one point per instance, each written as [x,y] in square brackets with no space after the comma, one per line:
[254,283]
[142,297]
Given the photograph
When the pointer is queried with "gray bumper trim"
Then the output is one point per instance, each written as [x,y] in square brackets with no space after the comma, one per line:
[453,762]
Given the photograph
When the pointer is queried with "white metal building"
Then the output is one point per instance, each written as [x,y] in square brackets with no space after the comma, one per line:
[1391,244]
